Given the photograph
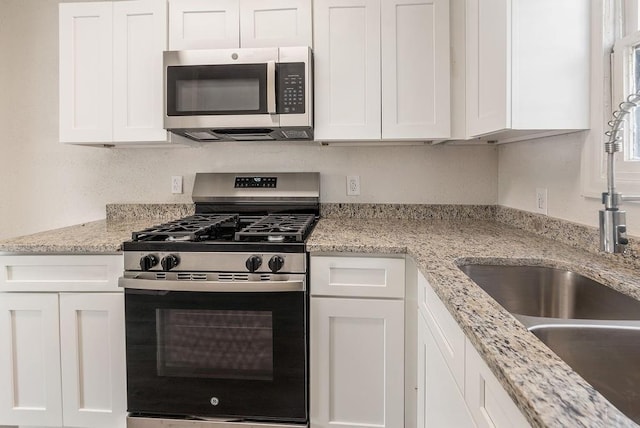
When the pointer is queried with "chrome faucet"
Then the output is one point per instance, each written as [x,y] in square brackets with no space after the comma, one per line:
[613,227]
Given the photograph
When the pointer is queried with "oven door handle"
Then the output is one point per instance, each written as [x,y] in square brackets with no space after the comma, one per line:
[211,286]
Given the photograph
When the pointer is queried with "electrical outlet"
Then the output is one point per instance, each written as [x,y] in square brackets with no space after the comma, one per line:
[541,201]
[353,185]
[176,184]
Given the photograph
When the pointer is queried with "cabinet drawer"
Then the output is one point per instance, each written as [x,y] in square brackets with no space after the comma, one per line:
[60,273]
[446,332]
[357,276]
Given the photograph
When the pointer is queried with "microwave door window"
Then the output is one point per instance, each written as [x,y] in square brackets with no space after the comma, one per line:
[217,90]
[219,95]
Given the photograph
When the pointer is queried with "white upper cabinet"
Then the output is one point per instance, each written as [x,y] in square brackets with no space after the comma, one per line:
[212,24]
[270,23]
[139,37]
[415,69]
[86,64]
[527,68]
[382,69]
[203,24]
[347,66]
[111,72]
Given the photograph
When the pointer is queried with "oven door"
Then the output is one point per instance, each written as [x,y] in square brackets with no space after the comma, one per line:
[237,355]
[220,88]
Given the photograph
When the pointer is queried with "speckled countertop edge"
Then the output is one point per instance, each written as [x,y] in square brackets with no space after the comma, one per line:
[546,389]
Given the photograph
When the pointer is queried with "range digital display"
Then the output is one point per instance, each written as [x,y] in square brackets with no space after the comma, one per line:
[265,182]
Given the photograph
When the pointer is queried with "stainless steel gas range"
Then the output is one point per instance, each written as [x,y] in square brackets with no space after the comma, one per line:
[216,306]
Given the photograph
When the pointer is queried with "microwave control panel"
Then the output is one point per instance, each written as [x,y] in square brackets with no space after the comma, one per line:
[291,92]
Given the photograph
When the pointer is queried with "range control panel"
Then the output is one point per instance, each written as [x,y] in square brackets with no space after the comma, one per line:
[266,182]
[291,93]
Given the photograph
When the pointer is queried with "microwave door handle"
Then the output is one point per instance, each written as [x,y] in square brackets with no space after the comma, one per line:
[271,87]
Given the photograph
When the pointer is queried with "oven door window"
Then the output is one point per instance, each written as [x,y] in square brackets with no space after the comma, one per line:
[218,344]
[217,355]
[216,89]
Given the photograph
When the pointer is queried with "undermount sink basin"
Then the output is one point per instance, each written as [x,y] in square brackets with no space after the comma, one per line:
[605,356]
[538,291]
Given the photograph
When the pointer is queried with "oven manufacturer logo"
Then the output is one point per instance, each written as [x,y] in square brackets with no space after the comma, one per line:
[214,401]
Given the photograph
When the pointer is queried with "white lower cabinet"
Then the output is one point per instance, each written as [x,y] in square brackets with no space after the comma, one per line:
[357,342]
[30,391]
[63,354]
[374,345]
[357,354]
[488,402]
[455,386]
[440,402]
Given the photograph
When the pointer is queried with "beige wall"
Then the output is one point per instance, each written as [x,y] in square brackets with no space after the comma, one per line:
[555,164]
[45,184]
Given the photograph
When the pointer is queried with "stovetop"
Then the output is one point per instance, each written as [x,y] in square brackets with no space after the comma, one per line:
[240,212]
[231,227]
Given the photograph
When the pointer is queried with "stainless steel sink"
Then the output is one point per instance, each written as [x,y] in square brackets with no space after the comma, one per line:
[593,328]
[605,356]
[537,291]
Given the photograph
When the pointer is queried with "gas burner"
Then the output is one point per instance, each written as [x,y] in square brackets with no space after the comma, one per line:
[197,227]
[277,228]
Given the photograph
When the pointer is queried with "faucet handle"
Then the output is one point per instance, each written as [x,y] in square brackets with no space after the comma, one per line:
[622,238]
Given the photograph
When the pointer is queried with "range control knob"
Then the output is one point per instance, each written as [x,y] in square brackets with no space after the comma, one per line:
[169,262]
[253,263]
[148,261]
[276,263]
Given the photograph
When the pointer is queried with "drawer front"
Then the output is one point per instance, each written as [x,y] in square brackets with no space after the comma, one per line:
[357,277]
[448,335]
[60,272]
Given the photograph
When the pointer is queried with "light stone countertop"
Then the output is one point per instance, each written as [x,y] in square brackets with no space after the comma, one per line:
[546,389]
[96,237]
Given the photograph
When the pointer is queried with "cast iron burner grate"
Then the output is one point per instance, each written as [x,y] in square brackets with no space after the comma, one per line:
[193,228]
[277,228]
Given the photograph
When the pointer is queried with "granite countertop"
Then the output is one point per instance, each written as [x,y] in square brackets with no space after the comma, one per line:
[96,237]
[546,389]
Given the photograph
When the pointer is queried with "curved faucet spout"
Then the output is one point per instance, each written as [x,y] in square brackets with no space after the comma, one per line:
[613,228]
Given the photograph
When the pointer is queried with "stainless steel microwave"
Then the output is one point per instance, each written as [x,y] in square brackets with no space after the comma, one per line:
[239,94]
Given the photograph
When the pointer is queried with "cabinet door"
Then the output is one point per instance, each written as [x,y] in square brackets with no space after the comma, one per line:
[93,359]
[446,332]
[347,67]
[489,403]
[85,72]
[488,42]
[357,356]
[415,69]
[265,24]
[204,24]
[30,391]
[139,37]
[440,402]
